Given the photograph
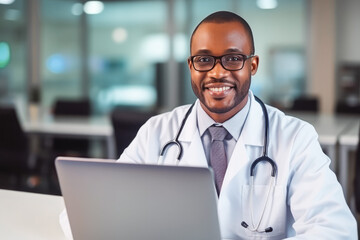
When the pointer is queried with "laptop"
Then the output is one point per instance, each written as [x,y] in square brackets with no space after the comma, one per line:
[111,200]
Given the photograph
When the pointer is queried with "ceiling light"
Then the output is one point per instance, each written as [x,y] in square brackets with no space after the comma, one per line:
[93,7]
[6,1]
[267,4]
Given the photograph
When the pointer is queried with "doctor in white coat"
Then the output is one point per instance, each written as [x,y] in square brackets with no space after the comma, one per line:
[306,202]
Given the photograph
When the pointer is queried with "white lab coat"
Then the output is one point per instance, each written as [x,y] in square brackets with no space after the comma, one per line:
[308,201]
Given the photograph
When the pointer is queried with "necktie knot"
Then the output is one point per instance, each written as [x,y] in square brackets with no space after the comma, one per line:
[218,133]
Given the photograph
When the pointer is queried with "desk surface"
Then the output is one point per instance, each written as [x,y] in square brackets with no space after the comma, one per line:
[78,126]
[73,127]
[30,216]
[350,136]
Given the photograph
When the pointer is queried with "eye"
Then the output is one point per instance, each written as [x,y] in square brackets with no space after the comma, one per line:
[234,58]
[202,59]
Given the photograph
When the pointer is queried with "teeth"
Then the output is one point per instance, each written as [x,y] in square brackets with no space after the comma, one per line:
[220,89]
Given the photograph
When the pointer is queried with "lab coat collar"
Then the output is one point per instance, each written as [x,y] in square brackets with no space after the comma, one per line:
[252,133]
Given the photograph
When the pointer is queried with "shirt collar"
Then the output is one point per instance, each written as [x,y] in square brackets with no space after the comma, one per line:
[233,125]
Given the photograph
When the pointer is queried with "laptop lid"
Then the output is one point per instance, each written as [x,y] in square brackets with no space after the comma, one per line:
[110,200]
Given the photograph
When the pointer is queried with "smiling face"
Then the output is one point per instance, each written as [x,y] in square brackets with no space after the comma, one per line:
[222,93]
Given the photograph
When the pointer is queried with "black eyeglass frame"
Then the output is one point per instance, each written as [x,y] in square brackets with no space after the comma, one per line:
[245,57]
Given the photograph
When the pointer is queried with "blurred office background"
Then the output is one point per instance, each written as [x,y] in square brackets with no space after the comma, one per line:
[131,54]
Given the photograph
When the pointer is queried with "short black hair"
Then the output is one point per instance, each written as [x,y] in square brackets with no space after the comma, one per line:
[224,17]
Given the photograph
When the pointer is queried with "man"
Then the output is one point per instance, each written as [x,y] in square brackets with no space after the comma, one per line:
[307,201]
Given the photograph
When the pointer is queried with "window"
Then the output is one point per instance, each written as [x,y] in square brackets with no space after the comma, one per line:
[13,54]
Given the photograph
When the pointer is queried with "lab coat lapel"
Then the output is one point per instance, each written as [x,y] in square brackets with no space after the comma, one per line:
[193,150]
[237,163]
[252,135]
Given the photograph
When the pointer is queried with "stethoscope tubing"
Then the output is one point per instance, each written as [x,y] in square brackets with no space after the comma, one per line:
[266,118]
[264,157]
[176,139]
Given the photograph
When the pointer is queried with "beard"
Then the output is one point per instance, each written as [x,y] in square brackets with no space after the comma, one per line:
[241,92]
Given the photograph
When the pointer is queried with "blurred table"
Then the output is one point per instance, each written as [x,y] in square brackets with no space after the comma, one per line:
[30,216]
[74,127]
[347,142]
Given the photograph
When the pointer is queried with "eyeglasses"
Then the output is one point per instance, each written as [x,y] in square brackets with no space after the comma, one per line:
[230,62]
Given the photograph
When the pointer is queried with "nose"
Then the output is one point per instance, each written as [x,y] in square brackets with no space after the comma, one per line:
[218,70]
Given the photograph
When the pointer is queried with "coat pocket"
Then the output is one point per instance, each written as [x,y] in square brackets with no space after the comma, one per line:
[262,210]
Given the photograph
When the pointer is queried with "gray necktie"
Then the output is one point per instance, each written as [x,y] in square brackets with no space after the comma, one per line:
[217,154]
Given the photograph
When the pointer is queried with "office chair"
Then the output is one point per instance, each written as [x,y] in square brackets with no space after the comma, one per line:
[67,146]
[306,104]
[72,107]
[15,155]
[345,108]
[126,123]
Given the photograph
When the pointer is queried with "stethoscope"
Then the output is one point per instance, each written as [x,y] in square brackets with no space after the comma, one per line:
[264,158]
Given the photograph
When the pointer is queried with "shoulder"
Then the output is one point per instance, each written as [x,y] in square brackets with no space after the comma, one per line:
[295,141]
[280,124]
[153,135]
[290,132]
[172,117]
[287,122]
[166,123]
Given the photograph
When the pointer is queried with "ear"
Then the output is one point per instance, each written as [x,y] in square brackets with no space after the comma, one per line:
[254,64]
[189,63]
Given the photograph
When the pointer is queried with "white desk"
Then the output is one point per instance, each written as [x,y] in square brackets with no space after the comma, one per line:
[74,127]
[30,216]
[347,142]
[329,128]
